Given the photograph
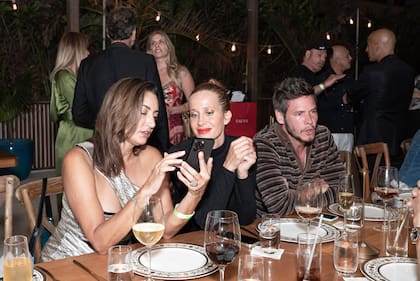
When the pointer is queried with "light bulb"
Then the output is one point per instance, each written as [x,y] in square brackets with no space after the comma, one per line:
[157,16]
[14,7]
[269,51]
[197,37]
[233,48]
[328,36]
[351,21]
[369,25]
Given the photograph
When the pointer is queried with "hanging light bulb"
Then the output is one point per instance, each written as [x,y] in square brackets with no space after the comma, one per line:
[14,5]
[351,21]
[269,51]
[328,36]
[233,48]
[369,24]
[197,37]
[157,16]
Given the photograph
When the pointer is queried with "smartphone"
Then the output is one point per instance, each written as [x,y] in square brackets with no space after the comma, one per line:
[248,239]
[329,217]
[199,144]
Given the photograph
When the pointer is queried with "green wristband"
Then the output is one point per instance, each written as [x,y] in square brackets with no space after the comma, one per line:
[181,215]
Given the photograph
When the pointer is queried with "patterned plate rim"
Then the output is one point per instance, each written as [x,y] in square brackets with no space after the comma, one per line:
[334,209]
[208,268]
[37,275]
[370,268]
[331,232]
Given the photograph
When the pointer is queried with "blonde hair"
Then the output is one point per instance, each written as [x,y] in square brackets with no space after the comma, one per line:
[173,67]
[71,49]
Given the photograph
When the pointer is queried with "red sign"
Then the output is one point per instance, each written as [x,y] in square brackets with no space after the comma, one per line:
[244,119]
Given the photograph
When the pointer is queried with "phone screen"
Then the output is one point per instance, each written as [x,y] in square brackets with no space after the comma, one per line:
[199,144]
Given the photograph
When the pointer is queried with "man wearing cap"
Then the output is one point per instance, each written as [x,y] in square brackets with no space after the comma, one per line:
[313,61]
[387,88]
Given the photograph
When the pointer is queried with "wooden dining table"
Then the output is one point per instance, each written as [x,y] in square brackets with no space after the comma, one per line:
[7,160]
[283,269]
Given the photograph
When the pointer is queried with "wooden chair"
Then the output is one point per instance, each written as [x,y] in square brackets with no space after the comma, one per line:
[8,185]
[361,152]
[405,145]
[26,193]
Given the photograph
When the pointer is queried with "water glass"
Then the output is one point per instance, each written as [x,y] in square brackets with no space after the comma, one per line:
[270,232]
[397,234]
[346,253]
[309,257]
[120,264]
[251,268]
[353,217]
[17,264]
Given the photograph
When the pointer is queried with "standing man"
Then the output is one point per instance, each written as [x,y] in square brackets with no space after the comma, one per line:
[387,87]
[99,72]
[313,61]
[294,150]
[335,109]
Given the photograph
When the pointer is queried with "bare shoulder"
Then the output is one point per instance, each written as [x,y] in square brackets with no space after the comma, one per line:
[150,154]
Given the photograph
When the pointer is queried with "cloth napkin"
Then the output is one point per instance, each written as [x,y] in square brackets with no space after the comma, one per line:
[267,252]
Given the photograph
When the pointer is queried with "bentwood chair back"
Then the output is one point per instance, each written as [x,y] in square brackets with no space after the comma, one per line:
[26,193]
[378,149]
[8,185]
[405,145]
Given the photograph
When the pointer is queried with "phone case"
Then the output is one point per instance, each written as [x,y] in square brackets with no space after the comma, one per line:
[199,144]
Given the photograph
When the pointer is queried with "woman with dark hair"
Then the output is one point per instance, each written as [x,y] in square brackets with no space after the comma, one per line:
[232,181]
[109,180]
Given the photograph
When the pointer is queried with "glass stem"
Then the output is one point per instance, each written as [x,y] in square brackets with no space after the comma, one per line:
[308,226]
[222,273]
[149,267]
[385,225]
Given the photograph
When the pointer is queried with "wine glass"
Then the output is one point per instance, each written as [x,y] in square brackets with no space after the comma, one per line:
[17,263]
[309,202]
[345,194]
[222,238]
[149,228]
[387,189]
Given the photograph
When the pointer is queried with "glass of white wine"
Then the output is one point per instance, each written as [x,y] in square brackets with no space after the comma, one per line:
[345,194]
[17,263]
[387,189]
[149,228]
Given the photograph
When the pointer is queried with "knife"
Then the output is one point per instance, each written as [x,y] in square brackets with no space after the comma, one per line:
[93,274]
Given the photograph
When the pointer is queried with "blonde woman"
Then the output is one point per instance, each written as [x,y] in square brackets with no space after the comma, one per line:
[72,49]
[177,82]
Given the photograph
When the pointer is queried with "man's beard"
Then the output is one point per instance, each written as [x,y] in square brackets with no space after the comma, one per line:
[294,135]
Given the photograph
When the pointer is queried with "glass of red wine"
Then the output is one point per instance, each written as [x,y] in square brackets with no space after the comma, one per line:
[222,238]
[387,189]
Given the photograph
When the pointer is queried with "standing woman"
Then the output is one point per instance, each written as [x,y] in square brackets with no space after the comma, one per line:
[176,80]
[72,49]
[232,181]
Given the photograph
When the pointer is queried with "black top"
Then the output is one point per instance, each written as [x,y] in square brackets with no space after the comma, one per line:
[98,72]
[302,71]
[224,190]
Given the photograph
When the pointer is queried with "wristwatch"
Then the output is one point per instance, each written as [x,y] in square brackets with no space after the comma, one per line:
[414,234]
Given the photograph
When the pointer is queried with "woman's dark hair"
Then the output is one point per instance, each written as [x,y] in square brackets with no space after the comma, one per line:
[117,121]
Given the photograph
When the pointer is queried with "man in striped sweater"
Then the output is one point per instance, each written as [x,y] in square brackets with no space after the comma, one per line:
[294,150]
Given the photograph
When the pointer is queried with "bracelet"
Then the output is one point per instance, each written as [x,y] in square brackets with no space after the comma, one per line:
[136,204]
[322,87]
[181,215]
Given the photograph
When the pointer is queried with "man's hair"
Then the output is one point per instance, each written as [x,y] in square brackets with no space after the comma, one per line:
[290,89]
[120,23]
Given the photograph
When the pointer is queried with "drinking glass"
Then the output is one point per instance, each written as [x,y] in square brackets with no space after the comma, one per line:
[120,267]
[345,194]
[354,217]
[387,189]
[270,232]
[346,253]
[397,234]
[149,228]
[309,202]
[222,238]
[250,268]
[308,257]
[17,263]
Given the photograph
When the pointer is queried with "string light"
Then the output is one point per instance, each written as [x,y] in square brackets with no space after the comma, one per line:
[269,51]
[197,37]
[369,24]
[351,21]
[157,17]
[328,36]
[14,5]
[233,48]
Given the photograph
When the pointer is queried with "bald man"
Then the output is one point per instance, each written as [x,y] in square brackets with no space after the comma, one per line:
[387,86]
[335,108]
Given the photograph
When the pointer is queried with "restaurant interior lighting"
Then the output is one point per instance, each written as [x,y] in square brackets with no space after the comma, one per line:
[233,48]
[14,5]
[269,51]
[351,21]
[197,37]
[157,16]
[369,24]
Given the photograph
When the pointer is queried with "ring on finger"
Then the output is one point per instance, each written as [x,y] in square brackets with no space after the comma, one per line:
[194,183]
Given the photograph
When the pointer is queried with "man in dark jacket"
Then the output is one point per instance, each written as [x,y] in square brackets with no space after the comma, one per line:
[97,73]
[387,87]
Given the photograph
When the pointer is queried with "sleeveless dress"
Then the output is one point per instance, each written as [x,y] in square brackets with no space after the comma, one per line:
[173,97]
[68,238]
[68,134]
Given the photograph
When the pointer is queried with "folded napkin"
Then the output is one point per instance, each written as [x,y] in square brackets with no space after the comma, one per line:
[267,252]
[355,279]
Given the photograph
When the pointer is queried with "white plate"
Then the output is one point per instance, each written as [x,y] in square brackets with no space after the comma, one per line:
[390,269]
[290,228]
[174,261]
[372,212]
